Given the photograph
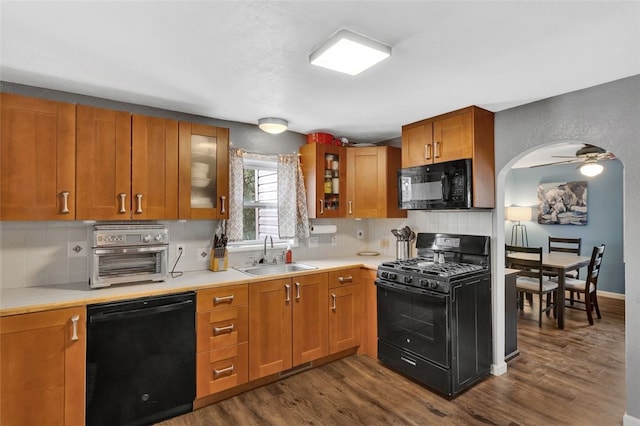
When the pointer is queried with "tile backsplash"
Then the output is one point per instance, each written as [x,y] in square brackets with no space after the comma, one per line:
[50,253]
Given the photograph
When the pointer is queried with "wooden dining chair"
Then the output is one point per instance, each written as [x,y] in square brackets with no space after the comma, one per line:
[566,245]
[531,280]
[589,286]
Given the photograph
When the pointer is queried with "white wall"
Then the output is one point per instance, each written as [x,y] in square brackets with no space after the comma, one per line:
[607,116]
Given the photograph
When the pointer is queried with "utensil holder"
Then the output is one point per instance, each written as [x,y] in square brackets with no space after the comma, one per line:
[403,250]
[219,260]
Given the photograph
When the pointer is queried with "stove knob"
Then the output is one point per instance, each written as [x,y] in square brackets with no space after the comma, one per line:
[158,237]
[433,284]
[424,283]
[392,276]
[146,238]
[407,279]
[384,275]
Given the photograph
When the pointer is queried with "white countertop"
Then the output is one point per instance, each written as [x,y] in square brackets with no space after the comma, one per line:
[33,299]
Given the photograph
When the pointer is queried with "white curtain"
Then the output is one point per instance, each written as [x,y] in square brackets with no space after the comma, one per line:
[293,217]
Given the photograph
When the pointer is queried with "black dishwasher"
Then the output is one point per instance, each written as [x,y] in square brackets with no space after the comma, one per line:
[140,360]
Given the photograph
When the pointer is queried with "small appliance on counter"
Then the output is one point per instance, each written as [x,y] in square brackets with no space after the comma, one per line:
[128,253]
[434,312]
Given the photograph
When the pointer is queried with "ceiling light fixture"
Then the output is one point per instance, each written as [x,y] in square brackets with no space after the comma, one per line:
[591,168]
[349,53]
[273,125]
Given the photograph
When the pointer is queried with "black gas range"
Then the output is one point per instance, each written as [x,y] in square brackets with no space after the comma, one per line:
[434,312]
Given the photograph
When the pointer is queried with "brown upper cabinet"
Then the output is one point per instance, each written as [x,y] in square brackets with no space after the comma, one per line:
[372,182]
[127,166]
[37,159]
[324,169]
[465,133]
[204,171]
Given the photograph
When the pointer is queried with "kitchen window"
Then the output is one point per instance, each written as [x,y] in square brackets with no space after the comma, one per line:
[266,200]
[260,200]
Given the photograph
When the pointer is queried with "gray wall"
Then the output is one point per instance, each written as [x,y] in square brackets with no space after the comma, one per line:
[242,135]
[604,203]
[607,116]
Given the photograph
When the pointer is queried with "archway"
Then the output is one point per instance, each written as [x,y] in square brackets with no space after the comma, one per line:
[609,185]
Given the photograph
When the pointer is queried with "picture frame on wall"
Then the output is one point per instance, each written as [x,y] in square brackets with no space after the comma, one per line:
[562,203]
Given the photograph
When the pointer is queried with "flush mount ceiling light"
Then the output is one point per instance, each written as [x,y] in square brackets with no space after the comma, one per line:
[273,125]
[349,53]
[591,167]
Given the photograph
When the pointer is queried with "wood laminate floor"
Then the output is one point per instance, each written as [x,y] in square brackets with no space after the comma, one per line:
[574,376]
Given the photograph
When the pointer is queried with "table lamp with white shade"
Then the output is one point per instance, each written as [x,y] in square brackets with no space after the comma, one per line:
[518,214]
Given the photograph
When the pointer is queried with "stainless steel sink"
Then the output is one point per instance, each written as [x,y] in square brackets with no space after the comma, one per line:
[273,269]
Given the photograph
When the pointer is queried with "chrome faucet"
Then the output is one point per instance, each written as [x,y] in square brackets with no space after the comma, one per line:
[264,251]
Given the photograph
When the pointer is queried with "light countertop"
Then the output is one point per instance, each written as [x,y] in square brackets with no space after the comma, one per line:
[40,298]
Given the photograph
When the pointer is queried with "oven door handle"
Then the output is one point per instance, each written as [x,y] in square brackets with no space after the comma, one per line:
[151,249]
[133,313]
[438,298]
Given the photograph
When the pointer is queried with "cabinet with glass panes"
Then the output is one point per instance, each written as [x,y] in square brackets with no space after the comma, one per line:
[203,171]
[324,169]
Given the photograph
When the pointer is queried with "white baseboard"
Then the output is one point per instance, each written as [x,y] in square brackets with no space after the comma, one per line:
[499,369]
[628,420]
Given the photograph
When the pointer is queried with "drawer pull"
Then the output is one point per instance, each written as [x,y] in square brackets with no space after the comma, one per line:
[217,373]
[346,279]
[220,330]
[222,299]
[297,291]
[287,289]
[74,322]
[333,298]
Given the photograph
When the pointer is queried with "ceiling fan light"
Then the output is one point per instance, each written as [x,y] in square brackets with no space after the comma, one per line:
[273,125]
[591,168]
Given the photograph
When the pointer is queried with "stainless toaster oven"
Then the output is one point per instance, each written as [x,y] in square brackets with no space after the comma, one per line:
[128,253]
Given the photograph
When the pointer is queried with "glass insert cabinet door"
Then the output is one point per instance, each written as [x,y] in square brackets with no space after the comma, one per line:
[204,170]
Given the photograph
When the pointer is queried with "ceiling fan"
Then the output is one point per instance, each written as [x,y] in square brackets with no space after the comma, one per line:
[588,155]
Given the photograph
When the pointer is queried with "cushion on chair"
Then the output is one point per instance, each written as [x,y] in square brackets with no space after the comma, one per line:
[571,284]
[532,285]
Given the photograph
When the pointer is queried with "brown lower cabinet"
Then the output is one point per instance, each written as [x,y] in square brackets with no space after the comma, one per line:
[222,348]
[287,323]
[42,375]
[344,310]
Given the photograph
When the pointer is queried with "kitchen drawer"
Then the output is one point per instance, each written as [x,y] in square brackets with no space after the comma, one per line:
[221,375]
[222,297]
[344,277]
[221,328]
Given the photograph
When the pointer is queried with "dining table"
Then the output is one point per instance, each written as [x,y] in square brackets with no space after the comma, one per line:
[560,263]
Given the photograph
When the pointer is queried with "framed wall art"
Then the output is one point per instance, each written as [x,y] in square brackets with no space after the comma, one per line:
[562,203]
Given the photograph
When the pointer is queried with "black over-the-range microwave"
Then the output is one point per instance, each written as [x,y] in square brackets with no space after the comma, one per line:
[438,186]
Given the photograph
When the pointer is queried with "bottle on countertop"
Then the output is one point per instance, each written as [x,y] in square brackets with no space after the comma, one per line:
[288,255]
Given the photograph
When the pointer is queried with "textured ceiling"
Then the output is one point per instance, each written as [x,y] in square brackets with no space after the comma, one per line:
[244,60]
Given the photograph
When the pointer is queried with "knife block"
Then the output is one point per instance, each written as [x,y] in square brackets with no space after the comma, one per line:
[219,260]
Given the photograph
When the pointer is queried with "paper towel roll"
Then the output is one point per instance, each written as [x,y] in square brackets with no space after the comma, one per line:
[323,229]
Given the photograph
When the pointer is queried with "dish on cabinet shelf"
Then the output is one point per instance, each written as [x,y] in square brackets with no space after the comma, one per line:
[200,182]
